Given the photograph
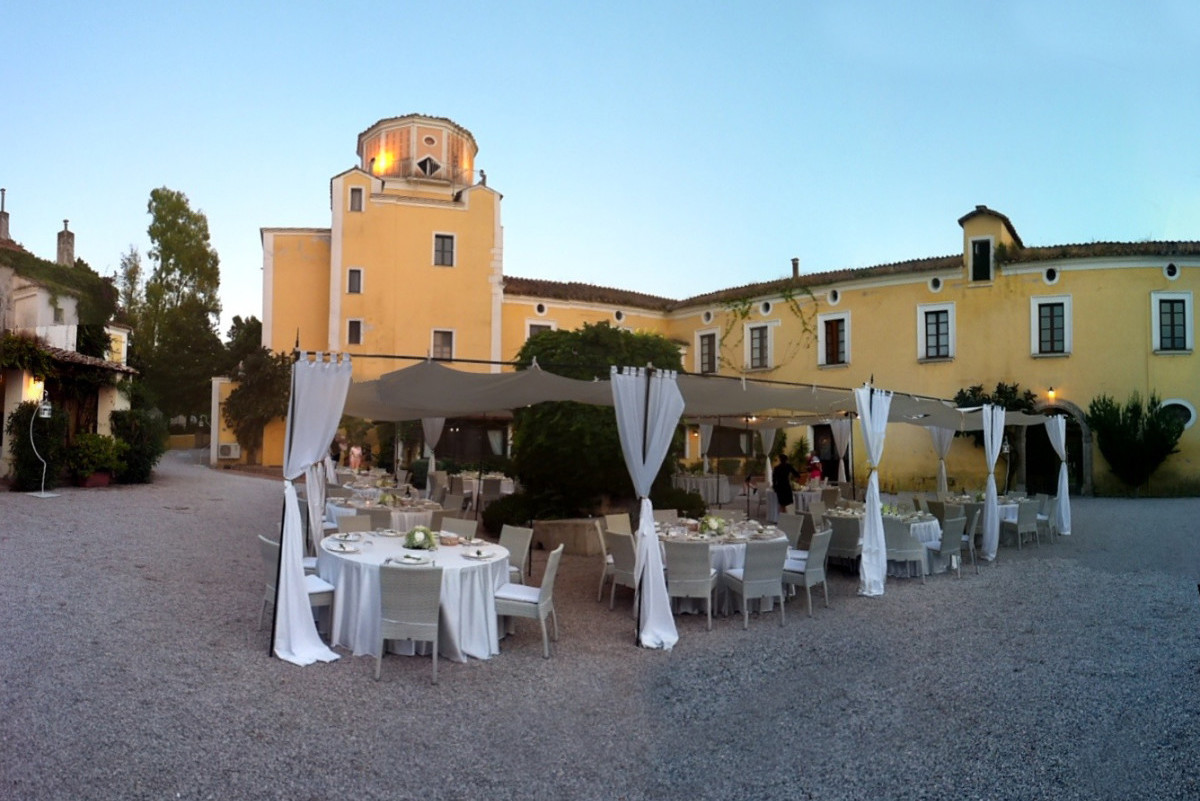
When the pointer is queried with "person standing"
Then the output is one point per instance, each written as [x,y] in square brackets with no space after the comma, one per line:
[781,482]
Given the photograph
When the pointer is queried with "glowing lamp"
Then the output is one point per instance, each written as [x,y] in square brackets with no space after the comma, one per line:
[1050,393]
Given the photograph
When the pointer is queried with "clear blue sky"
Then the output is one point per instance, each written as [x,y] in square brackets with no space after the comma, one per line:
[670,148]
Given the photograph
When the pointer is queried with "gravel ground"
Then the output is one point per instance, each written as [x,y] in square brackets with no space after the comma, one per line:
[131,668]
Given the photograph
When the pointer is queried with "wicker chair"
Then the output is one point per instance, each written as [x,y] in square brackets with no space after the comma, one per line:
[519,600]
[410,599]
[690,573]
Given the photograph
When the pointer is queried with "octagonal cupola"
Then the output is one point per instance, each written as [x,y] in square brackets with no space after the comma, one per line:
[428,150]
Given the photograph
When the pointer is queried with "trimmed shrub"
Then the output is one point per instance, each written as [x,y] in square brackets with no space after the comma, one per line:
[95,453]
[145,432]
[515,510]
[689,504]
[49,436]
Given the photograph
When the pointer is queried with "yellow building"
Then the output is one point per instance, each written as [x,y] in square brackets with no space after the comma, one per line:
[412,264]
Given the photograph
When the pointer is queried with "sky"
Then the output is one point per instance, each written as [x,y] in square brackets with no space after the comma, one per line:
[667,148]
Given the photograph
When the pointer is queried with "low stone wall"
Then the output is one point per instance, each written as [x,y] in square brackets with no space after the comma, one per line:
[578,535]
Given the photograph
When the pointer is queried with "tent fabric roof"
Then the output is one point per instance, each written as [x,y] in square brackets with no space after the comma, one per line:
[431,389]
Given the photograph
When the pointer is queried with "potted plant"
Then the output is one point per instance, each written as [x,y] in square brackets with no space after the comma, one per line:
[93,458]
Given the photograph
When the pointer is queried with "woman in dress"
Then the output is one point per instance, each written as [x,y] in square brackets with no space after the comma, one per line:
[781,482]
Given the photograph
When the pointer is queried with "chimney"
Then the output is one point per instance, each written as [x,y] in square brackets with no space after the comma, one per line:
[3,217]
[795,267]
[66,246]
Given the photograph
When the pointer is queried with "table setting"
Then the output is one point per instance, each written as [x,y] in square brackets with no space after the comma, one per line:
[472,570]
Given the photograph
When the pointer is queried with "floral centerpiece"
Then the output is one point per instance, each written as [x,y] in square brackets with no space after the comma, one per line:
[421,539]
[712,526]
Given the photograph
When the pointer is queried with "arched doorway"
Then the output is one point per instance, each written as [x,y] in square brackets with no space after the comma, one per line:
[1041,462]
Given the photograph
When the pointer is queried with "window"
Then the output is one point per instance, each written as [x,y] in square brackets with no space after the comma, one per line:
[833,339]
[536,328]
[443,250]
[1184,411]
[354,281]
[428,166]
[935,331]
[759,356]
[443,345]
[354,332]
[356,198]
[708,353]
[1172,325]
[981,259]
[59,316]
[1171,314]
[1050,325]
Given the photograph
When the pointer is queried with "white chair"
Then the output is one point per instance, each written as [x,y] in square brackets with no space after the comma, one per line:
[520,600]
[624,556]
[380,518]
[607,562]
[901,546]
[489,492]
[810,572]
[762,576]
[792,526]
[353,523]
[463,527]
[1026,523]
[453,505]
[690,573]
[320,591]
[968,538]
[1047,517]
[517,540]
[666,515]
[409,601]
[952,540]
[618,522]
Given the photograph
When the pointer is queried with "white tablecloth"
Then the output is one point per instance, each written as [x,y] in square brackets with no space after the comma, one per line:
[468,625]
[713,489]
[402,519]
[928,532]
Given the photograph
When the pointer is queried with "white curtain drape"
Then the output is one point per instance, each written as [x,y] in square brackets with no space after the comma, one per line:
[318,394]
[993,437]
[768,439]
[496,441]
[432,426]
[648,408]
[942,439]
[1056,429]
[841,427]
[706,430]
[873,406]
[744,442]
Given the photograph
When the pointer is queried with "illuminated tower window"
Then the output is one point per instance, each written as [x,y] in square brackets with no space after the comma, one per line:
[428,166]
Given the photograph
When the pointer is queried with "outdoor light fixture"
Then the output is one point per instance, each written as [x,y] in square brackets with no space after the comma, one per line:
[1050,393]
[44,411]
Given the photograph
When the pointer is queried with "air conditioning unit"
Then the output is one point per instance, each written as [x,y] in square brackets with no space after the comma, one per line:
[229,450]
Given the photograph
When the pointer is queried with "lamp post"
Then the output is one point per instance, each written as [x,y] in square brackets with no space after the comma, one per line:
[44,411]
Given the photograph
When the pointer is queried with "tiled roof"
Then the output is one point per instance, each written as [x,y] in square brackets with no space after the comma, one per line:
[71,357]
[9,244]
[1095,250]
[808,280]
[584,293]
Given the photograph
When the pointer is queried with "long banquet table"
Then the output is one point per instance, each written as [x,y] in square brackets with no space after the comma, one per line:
[467,624]
[713,489]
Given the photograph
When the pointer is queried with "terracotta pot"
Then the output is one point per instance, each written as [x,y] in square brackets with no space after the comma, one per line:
[101,478]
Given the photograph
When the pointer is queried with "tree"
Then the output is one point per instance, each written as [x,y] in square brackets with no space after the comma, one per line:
[1007,396]
[245,338]
[186,266]
[130,292]
[261,396]
[176,345]
[1134,439]
[568,454]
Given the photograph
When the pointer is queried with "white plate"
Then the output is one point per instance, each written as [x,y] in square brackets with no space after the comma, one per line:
[472,542]
[349,536]
[409,559]
[341,547]
[389,532]
[482,556]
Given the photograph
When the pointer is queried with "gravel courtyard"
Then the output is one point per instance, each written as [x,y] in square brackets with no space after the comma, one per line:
[131,668]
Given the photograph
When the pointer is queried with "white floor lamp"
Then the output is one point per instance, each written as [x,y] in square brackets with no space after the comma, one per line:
[44,411]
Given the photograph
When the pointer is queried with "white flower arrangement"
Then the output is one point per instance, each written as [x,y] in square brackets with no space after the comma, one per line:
[712,526]
[421,539]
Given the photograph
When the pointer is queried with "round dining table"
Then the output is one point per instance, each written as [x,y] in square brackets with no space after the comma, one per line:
[468,626]
[724,553]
